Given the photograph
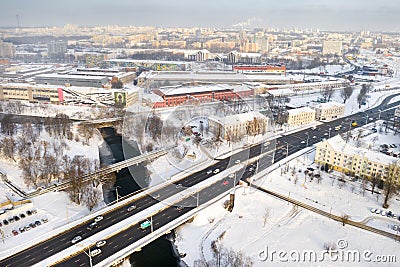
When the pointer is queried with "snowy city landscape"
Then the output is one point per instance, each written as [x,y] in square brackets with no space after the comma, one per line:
[192,142]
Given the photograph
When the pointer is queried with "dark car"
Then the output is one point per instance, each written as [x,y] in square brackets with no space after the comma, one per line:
[32,225]
[16,218]
[22,215]
[5,222]
[38,223]
[92,226]
[29,213]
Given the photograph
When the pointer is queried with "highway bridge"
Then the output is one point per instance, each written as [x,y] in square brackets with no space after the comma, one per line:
[167,217]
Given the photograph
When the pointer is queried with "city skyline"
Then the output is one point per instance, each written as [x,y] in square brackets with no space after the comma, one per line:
[326,15]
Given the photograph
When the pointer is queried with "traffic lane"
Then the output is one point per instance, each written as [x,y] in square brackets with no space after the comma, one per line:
[126,237]
[253,152]
[159,220]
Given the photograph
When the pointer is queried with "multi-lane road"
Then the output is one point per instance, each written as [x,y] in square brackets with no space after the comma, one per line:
[285,145]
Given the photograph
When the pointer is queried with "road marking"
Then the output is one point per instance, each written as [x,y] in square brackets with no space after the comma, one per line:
[113,220]
[169,217]
[110,243]
[46,247]
[125,235]
[130,238]
[83,264]
[77,260]
[115,246]
[51,250]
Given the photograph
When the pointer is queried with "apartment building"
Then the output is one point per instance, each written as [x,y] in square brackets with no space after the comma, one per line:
[329,111]
[332,48]
[31,92]
[349,159]
[300,116]
[235,127]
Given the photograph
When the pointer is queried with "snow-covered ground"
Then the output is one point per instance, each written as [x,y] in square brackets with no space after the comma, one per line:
[54,206]
[289,228]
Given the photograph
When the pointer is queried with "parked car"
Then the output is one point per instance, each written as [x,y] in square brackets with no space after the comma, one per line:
[101,243]
[383,213]
[98,218]
[132,208]
[38,223]
[216,171]
[237,161]
[22,229]
[11,220]
[32,225]
[45,220]
[209,172]
[28,212]
[95,252]
[76,239]
[22,215]
[16,218]
[396,227]
[14,232]
[373,210]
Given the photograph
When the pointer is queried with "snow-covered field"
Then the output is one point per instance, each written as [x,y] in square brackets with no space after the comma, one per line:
[289,228]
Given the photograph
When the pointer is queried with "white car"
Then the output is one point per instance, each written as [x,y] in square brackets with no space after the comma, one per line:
[216,171]
[95,252]
[383,213]
[373,210]
[76,239]
[237,161]
[101,243]
[98,218]
[178,185]
[132,208]
[209,172]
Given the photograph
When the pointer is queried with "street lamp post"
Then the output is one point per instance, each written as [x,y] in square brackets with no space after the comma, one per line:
[116,192]
[329,132]
[287,148]
[308,136]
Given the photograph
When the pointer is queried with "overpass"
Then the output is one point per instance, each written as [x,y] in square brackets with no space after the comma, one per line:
[165,218]
[98,174]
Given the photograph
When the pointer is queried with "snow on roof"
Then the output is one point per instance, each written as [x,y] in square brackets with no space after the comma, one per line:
[277,92]
[182,90]
[241,117]
[297,111]
[70,76]
[338,144]
[329,105]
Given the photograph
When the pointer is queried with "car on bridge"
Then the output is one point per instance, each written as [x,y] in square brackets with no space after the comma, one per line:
[98,218]
[101,243]
[95,252]
[92,226]
[131,208]
[145,224]
[76,239]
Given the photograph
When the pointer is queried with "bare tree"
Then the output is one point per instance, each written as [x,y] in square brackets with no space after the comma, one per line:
[327,94]
[8,147]
[346,92]
[91,197]
[391,184]
[374,179]
[266,215]
[7,125]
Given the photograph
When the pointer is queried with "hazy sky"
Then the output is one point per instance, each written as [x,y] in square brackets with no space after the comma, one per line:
[322,14]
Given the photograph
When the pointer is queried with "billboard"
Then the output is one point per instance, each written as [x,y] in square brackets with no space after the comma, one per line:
[120,99]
